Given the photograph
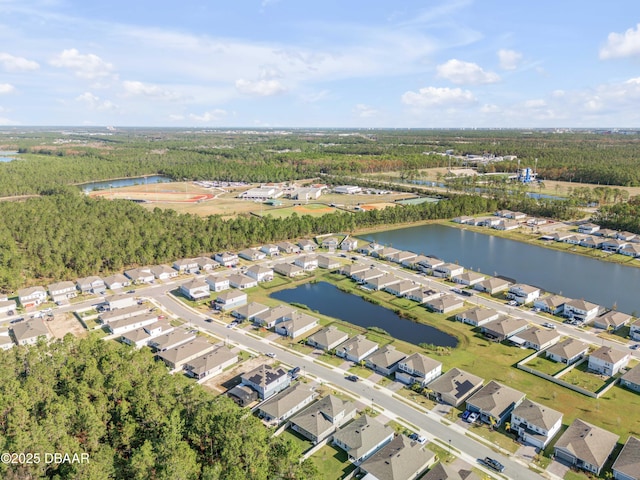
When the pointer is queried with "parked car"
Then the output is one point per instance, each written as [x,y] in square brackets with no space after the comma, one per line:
[131,291]
[209,320]
[465,414]
[549,325]
[512,303]
[418,438]
[634,347]
[270,355]
[473,417]
[493,464]
[17,320]
[353,378]
[294,371]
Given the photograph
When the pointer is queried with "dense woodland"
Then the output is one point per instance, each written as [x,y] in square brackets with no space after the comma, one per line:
[133,419]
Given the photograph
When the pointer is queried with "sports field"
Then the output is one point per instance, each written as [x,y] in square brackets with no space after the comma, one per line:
[158,193]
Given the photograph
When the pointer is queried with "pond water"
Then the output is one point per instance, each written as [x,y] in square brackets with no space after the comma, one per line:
[329,300]
[7,156]
[124,182]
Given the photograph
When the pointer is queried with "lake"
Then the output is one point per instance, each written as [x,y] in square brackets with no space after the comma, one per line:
[556,271]
[124,182]
[6,156]
[329,300]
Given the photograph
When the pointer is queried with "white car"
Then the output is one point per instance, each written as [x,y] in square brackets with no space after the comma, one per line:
[473,417]
[512,303]
[271,355]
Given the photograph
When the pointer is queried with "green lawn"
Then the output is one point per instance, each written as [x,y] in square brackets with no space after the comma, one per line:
[573,475]
[581,377]
[544,365]
[332,463]
[362,372]
[497,437]
[331,359]
[278,281]
[298,439]
[416,398]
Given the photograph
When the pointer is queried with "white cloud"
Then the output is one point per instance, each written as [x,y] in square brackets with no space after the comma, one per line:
[210,116]
[88,66]
[135,88]
[463,73]
[11,63]
[6,88]
[536,103]
[509,59]
[96,103]
[438,97]
[490,108]
[364,111]
[260,88]
[625,44]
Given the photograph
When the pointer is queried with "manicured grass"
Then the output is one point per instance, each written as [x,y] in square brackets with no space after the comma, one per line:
[331,359]
[442,454]
[332,463]
[416,398]
[544,365]
[581,377]
[497,437]
[573,475]
[362,372]
[404,303]
[298,439]
[278,281]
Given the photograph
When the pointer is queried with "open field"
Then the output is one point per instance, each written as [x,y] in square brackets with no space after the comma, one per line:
[313,209]
[64,323]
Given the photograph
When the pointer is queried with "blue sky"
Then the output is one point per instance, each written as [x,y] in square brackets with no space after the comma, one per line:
[307,63]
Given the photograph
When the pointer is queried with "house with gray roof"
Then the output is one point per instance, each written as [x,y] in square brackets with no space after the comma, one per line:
[469,278]
[249,311]
[613,320]
[62,291]
[32,296]
[504,328]
[402,257]
[328,338]
[226,259]
[423,295]
[362,438]
[536,424]
[195,289]
[327,262]
[120,313]
[607,360]
[242,395]
[367,275]
[176,357]
[492,285]
[116,281]
[140,275]
[307,245]
[418,368]
[211,363]
[286,403]
[288,269]
[230,299]
[448,270]
[585,446]
[119,300]
[7,305]
[299,324]
[402,288]
[170,340]
[477,316]
[252,254]
[631,379]
[354,268]
[323,418]
[266,380]
[429,264]
[242,281]
[442,471]
[270,249]
[260,273]
[123,325]
[163,272]
[494,402]
[140,337]
[382,282]
[455,386]
[627,465]
[186,265]
[307,262]
[539,338]
[553,304]
[384,360]
[30,332]
[288,247]
[91,284]
[567,351]
[445,304]
[356,348]
[400,459]
[581,310]
[274,315]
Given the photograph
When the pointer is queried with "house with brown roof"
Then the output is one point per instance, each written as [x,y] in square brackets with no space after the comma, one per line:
[442,471]
[384,281]
[400,459]
[455,386]
[327,262]
[367,275]
[523,294]
[494,402]
[356,348]
[492,285]
[362,438]
[402,288]
[288,269]
[328,338]
[612,320]
[30,332]
[477,316]
[354,268]
[469,278]
[321,419]
[607,360]
[539,338]
[91,284]
[627,465]
[176,357]
[445,304]
[418,368]
[163,272]
[585,446]
[567,351]
[140,275]
[504,328]
[384,360]
[211,363]
[274,315]
[249,311]
[536,424]
[242,281]
[286,403]
[631,379]
[299,324]
[288,247]
[260,273]
[553,304]
[423,295]
[581,310]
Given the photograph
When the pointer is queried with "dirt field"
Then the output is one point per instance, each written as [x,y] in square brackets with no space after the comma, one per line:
[229,379]
[159,193]
[315,210]
[65,323]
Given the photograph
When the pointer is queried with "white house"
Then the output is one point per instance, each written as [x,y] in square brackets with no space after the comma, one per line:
[523,294]
[92,284]
[252,254]
[588,228]
[362,438]
[230,299]
[32,296]
[226,259]
[608,361]
[307,262]
[477,316]
[266,380]
[118,327]
[195,289]
[469,278]
[418,368]
[241,281]
[586,446]
[349,244]
[299,324]
[186,265]
[270,249]
[356,348]
[117,281]
[581,310]
[163,272]
[61,291]
[448,270]
[217,283]
[260,273]
[30,332]
[536,424]
[140,275]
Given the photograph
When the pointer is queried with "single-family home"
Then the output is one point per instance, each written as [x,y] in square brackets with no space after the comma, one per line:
[249,311]
[443,471]
[606,232]
[523,294]
[356,348]
[288,247]
[252,254]
[30,332]
[266,380]
[327,262]
[206,264]
[627,465]
[385,253]
[494,402]
[507,225]
[367,275]
[195,289]
[631,379]
[307,245]
[626,236]
[6,342]
[539,338]
[211,363]
[230,299]
[140,337]
[116,282]
[286,403]
[7,305]
[362,438]
[91,284]
[561,236]
[171,340]
[469,278]
[504,328]
[176,357]
[487,221]
[384,360]
[242,395]
[164,272]
[413,263]
[429,264]
[553,304]
[321,419]
[516,216]
[581,310]
[275,315]
[62,291]
[226,259]
[260,273]
[591,242]
[134,322]
[492,285]
[270,250]
[477,316]
[369,248]
[464,220]
[217,283]
[307,262]
[630,250]
[401,257]
[402,288]
[455,386]
[186,265]
[612,320]
[585,446]
[328,338]
[634,330]
[445,304]
[418,368]
[288,269]
[588,228]
[299,324]
[349,244]
[423,295]
[448,270]
[400,459]
[121,313]
[32,296]
[536,424]
[613,245]
[567,351]
[242,281]
[330,242]
[119,300]
[607,360]
[380,283]
[140,275]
